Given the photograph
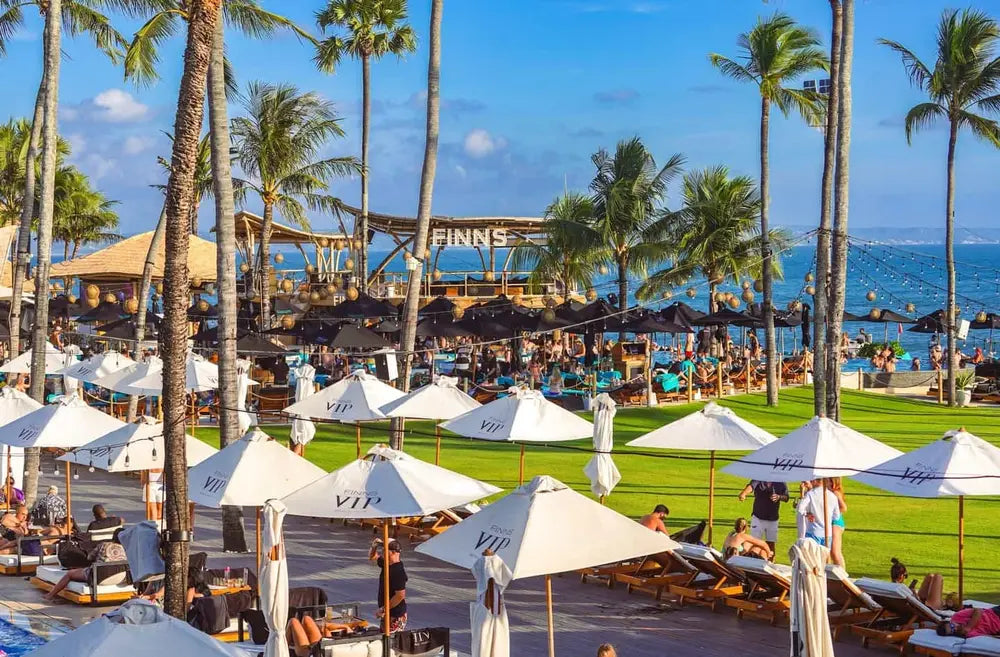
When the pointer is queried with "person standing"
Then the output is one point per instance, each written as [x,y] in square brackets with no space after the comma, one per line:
[397,584]
[820,515]
[767,499]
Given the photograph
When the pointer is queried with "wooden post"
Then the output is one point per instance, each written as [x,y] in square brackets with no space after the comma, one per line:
[711,494]
[940,386]
[69,502]
[961,547]
[748,377]
[861,379]
[520,468]
[690,385]
[437,444]
[719,381]
[258,546]
[194,412]
[385,575]
[358,427]
[7,482]
[548,615]
[826,519]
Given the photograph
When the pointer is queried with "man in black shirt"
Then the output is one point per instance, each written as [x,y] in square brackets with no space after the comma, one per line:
[102,520]
[397,585]
[767,498]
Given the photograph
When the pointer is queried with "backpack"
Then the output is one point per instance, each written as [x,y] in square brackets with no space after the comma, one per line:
[71,554]
[209,614]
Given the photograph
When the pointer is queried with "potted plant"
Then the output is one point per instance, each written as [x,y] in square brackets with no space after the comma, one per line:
[965,381]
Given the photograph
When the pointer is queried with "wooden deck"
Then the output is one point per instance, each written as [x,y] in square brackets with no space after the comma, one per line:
[334,557]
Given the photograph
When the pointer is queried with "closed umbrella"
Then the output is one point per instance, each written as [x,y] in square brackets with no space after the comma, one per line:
[70,384]
[273,581]
[438,400]
[54,362]
[523,416]
[601,468]
[488,614]
[244,418]
[958,465]
[543,528]
[808,618]
[714,428]
[303,431]
[356,398]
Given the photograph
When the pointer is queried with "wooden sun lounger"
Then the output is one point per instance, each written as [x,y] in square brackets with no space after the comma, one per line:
[22,564]
[421,529]
[927,642]
[766,592]
[901,614]
[608,574]
[851,605]
[715,580]
[669,569]
[83,593]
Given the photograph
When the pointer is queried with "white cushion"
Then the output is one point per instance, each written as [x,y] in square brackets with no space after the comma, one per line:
[930,639]
[760,567]
[52,574]
[838,574]
[982,645]
[978,604]
[698,552]
[370,648]
[878,587]
[10,560]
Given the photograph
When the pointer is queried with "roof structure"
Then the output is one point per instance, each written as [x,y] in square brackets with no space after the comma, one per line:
[124,260]
[249,224]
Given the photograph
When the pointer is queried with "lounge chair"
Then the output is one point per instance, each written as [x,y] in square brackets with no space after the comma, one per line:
[851,605]
[927,642]
[24,564]
[85,593]
[766,591]
[902,613]
[981,646]
[668,568]
[715,581]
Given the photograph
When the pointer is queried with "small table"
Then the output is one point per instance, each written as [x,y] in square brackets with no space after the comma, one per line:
[225,590]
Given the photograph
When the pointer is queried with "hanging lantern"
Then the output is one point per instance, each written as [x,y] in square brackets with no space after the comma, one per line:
[591,294]
[720,297]
[745,285]
[358,244]
[203,306]
[57,286]
[691,292]
[323,293]
[427,253]
[436,275]
[131,305]
[279,258]
[323,242]
[93,291]
[549,315]
[874,314]
[981,317]
[734,303]
[210,288]
[349,264]
[159,288]
[287,285]
[331,289]
[748,295]
[796,306]
[352,293]
[458,312]
[71,298]
[310,269]
[287,322]
[872,295]
[92,303]
[488,276]
[809,277]
[557,335]
[110,298]
[810,290]
[758,285]
[911,308]
[244,267]
[603,270]
[196,282]
[314,297]
[303,296]
[958,311]
[668,294]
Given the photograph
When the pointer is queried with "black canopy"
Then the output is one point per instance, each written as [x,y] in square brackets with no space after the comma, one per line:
[441,327]
[930,323]
[681,314]
[437,306]
[363,307]
[102,312]
[724,316]
[351,336]
[992,322]
[887,316]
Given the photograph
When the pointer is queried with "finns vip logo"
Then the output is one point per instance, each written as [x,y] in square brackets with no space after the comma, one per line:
[27,434]
[491,425]
[490,541]
[83,371]
[339,406]
[786,464]
[918,477]
[213,485]
[356,501]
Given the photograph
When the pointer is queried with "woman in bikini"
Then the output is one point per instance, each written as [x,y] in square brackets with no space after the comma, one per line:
[739,542]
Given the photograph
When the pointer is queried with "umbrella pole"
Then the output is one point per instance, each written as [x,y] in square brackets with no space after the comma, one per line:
[194,413]
[6,479]
[711,494]
[826,517]
[961,547]
[358,425]
[437,444]
[258,546]
[520,467]
[69,502]
[548,615]
[385,576]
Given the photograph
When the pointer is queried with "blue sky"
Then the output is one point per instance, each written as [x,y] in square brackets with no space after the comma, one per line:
[530,89]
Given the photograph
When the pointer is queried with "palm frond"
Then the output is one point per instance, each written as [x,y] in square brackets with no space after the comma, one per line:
[921,116]
[732,69]
[256,22]
[11,20]
[142,55]
[81,19]
[985,129]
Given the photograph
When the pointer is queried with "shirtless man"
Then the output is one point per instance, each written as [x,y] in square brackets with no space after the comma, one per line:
[654,520]
[13,525]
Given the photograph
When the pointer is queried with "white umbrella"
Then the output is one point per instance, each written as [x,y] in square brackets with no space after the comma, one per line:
[523,416]
[957,465]
[199,375]
[490,628]
[545,527]
[14,404]
[303,431]
[244,418]
[138,627]
[274,581]
[133,448]
[54,361]
[440,400]
[120,379]
[356,398]
[601,468]
[714,428]
[809,622]
[97,366]
[387,484]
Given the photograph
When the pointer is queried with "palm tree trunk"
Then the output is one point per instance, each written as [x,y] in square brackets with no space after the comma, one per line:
[147,281]
[426,196]
[265,267]
[27,214]
[76,249]
[949,254]
[820,299]
[622,289]
[366,113]
[203,15]
[765,252]
[233,535]
[66,250]
[838,278]
[50,139]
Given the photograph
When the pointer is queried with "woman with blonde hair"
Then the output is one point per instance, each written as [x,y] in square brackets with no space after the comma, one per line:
[739,542]
[836,485]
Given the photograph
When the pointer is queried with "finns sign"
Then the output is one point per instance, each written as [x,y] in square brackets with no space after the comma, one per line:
[469,237]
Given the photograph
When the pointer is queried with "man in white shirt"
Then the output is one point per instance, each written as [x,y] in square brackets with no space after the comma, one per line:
[818,521]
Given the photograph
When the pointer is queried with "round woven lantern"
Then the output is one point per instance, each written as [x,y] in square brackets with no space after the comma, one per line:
[352,293]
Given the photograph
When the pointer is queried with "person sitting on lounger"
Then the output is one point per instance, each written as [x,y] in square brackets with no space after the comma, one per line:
[16,494]
[13,525]
[102,520]
[106,552]
[931,590]
[740,542]
[606,650]
[654,520]
[304,634]
[50,509]
[970,622]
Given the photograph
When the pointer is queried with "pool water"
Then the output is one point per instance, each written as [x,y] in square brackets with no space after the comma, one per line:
[15,642]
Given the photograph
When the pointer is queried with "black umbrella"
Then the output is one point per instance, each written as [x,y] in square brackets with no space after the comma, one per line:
[124,329]
[851,317]
[252,343]
[388,326]
[992,322]
[351,336]
[102,312]
[537,322]
[209,312]
[889,316]
[441,327]
[152,322]
[931,323]
[437,306]
[487,327]
[61,307]
[681,314]
[724,316]
[653,323]
[363,307]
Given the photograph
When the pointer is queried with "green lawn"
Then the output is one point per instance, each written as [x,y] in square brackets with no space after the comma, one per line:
[921,533]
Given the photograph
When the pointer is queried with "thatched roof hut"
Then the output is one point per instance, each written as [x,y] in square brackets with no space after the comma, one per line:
[124,260]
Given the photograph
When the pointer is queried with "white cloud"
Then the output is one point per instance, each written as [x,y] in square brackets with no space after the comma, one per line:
[118,106]
[460,170]
[77,143]
[98,166]
[480,143]
[136,144]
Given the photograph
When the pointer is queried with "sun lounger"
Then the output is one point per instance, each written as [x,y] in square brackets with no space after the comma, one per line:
[981,646]
[766,591]
[715,581]
[24,564]
[927,642]
[850,605]
[668,568]
[83,593]
[902,613]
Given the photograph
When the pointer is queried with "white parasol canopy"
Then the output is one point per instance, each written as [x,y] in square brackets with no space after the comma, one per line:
[440,400]
[274,580]
[120,379]
[522,416]
[820,448]
[490,628]
[97,366]
[67,423]
[249,472]
[355,398]
[138,627]
[303,431]
[386,484]
[545,527]
[54,361]
[134,447]
[15,404]
[601,468]
[199,375]
[809,621]
[713,428]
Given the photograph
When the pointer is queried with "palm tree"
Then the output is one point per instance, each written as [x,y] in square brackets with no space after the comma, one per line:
[962,88]
[628,194]
[82,215]
[277,145]
[411,303]
[366,30]
[202,176]
[715,235]
[173,336]
[773,54]
[561,256]
[14,137]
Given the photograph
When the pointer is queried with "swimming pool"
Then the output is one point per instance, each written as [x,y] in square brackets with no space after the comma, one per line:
[15,642]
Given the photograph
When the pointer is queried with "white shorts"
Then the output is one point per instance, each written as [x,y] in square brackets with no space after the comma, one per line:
[766,530]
